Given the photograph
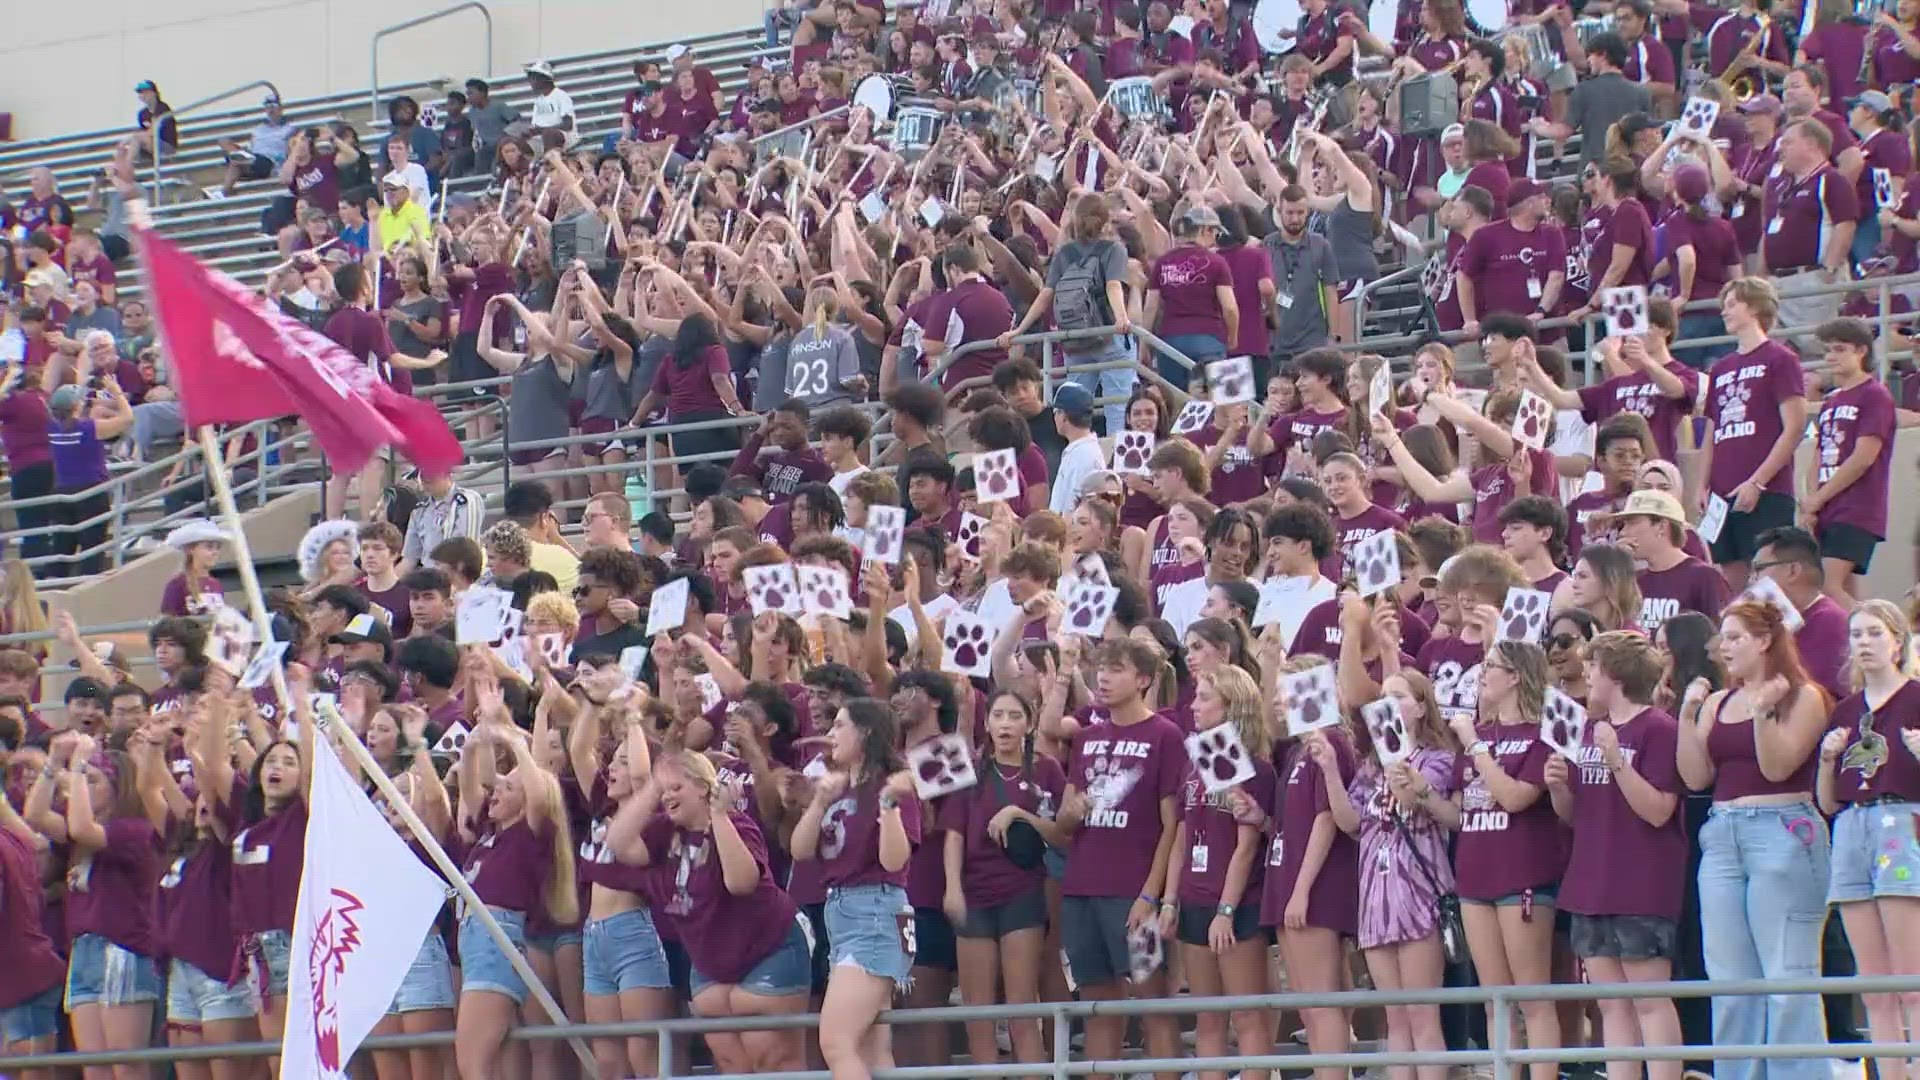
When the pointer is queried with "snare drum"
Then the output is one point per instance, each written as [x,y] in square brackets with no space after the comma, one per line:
[1134,98]
[875,94]
[1276,24]
[915,129]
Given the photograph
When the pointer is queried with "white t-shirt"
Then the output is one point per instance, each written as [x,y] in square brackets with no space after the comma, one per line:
[416,181]
[839,481]
[551,109]
[1081,458]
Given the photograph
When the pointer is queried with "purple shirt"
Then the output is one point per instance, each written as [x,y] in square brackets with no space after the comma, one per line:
[1744,399]
[849,847]
[1213,836]
[725,935]
[1862,411]
[1186,278]
[110,891]
[987,877]
[1688,585]
[1124,771]
[1876,761]
[1608,835]
[1403,857]
[79,457]
[1501,852]
[267,858]
[1301,799]
[1509,266]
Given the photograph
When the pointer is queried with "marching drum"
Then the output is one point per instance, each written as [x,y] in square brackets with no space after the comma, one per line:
[1276,24]
[1383,19]
[1134,98]
[875,94]
[1488,17]
[916,128]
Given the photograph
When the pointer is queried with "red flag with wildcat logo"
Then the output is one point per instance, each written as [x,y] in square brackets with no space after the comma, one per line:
[237,359]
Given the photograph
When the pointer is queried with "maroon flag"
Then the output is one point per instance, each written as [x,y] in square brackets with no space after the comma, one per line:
[237,359]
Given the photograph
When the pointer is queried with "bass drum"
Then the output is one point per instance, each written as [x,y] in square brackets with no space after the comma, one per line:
[1383,19]
[1276,23]
[875,94]
[1487,17]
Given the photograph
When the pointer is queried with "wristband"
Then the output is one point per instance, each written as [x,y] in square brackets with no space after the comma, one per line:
[1151,901]
[888,802]
[1479,747]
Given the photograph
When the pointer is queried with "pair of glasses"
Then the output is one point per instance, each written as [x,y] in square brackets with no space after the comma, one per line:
[1564,641]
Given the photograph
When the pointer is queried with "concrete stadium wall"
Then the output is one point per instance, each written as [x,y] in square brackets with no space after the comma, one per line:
[59,75]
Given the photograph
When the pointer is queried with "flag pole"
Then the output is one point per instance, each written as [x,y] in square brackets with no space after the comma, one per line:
[350,742]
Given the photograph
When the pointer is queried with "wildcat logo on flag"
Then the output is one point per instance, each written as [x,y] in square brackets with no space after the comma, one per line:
[237,359]
[366,904]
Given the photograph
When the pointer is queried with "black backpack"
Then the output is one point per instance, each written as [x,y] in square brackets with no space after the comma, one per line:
[1080,295]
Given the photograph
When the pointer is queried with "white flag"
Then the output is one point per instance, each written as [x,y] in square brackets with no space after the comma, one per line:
[366,904]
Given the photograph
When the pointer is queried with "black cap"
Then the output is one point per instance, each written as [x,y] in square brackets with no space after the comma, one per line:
[363,628]
[87,688]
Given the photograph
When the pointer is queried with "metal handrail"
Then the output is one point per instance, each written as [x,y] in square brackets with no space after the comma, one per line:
[1501,1051]
[373,94]
[159,165]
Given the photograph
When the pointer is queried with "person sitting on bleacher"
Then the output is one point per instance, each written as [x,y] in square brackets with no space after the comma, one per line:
[266,148]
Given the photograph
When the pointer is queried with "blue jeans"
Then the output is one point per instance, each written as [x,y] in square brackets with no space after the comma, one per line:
[1866,236]
[1199,348]
[1763,907]
[1115,382]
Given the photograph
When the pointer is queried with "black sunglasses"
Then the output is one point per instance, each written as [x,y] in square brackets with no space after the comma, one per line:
[1564,641]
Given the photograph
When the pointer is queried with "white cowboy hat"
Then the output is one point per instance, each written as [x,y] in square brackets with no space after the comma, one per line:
[196,531]
[315,543]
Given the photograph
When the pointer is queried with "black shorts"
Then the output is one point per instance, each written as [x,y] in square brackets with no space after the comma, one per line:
[1624,937]
[1093,934]
[934,945]
[1197,919]
[1028,911]
[260,167]
[1849,542]
[1740,535]
[822,948]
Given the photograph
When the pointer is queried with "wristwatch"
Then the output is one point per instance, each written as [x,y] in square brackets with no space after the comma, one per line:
[1226,911]
[1479,747]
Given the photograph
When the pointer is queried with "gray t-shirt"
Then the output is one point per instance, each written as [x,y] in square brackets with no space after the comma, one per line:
[405,341]
[490,121]
[537,408]
[609,397]
[1350,233]
[1111,257]
[818,365]
[1596,104]
[1300,271]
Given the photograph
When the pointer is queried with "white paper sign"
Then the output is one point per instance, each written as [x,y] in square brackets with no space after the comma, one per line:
[667,611]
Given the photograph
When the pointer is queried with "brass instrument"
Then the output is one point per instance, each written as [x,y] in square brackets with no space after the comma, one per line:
[1741,81]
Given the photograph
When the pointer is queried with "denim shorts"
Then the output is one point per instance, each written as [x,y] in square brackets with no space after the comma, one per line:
[267,954]
[195,997]
[102,973]
[482,965]
[865,924]
[1624,937]
[552,941]
[1874,852]
[787,971]
[38,1017]
[623,952]
[428,984]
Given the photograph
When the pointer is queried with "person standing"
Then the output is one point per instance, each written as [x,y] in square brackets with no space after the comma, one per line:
[1190,301]
[1811,211]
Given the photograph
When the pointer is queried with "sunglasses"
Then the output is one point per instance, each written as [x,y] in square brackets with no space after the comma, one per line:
[1564,641]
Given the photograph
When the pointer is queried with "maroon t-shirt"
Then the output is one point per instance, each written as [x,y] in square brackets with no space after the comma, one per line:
[195,912]
[110,892]
[1186,278]
[1626,224]
[1494,178]
[1493,490]
[1350,532]
[1124,771]
[1745,392]
[29,966]
[849,848]
[1301,797]
[1238,478]
[364,336]
[1509,266]
[1876,761]
[1799,214]
[972,311]
[1499,852]
[1609,835]
[509,867]
[1822,640]
[267,858]
[23,427]
[1636,393]
[726,936]
[1716,249]
[1689,585]
[1249,265]
[690,389]
[317,183]
[1847,416]
[1300,429]
[1213,835]
[987,877]
[1453,665]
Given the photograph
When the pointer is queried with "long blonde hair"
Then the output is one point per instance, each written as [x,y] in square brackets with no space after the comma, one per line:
[825,305]
[20,599]
[545,803]
[1241,697]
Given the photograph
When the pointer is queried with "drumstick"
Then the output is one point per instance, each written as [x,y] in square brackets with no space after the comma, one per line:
[613,208]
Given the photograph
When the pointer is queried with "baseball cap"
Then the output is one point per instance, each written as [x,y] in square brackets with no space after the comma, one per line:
[1073,399]
[1101,482]
[1454,131]
[540,67]
[675,52]
[145,84]
[1761,105]
[1691,182]
[1873,99]
[1523,189]
[364,628]
[1651,502]
[1200,217]
[271,101]
[86,688]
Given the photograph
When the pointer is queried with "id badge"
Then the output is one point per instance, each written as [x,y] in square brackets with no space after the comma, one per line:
[1775,225]
[1533,288]
[1285,300]
[1198,863]
[1277,853]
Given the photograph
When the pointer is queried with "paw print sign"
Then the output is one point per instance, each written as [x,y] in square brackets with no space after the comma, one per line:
[1313,699]
[824,591]
[1387,726]
[1131,452]
[1089,608]
[941,766]
[1376,563]
[971,526]
[667,608]
[260,668]
[710,695]
[553,649]
[996,476]
[1524,615]
[1193,416]
[886,528]
[1626,310]
[453,742]
[1230,381]
[1146,951]
[773,588]
[230,639]
[1698,117]
[1883,187]
[1219,758]
[1563,724]
[1532,421]
[965,645]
